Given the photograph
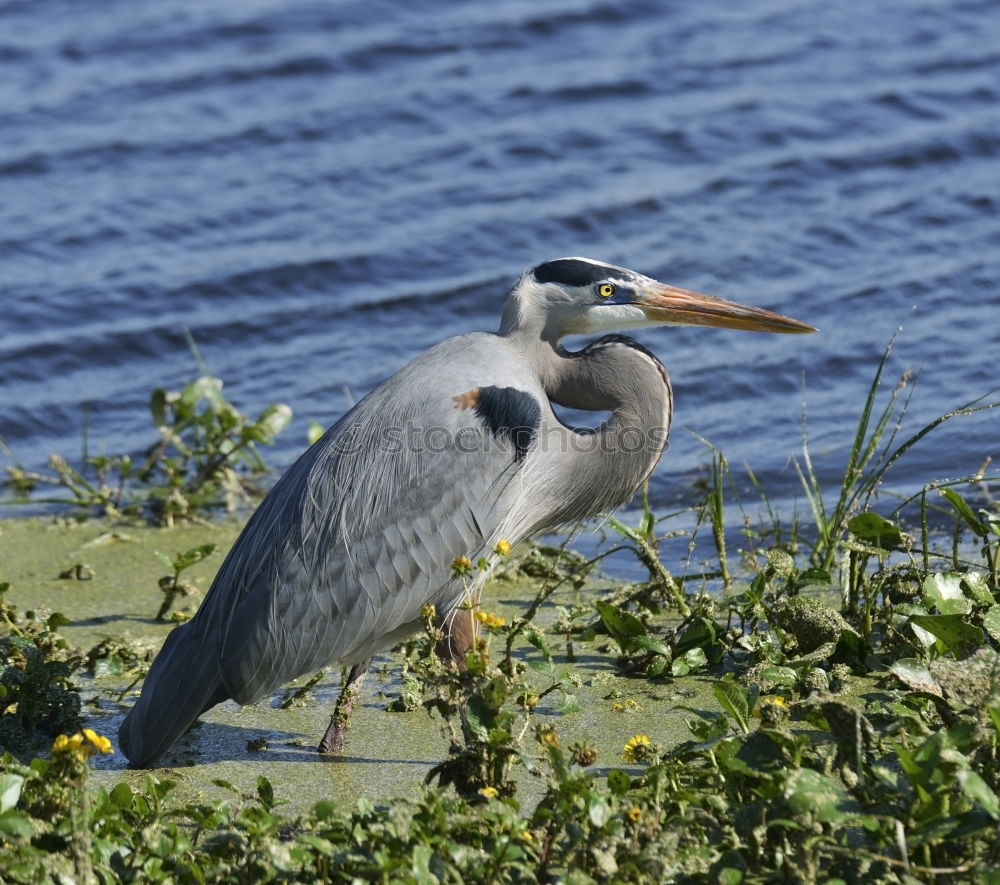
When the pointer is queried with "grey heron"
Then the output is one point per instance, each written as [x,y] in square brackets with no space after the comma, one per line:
[457,451]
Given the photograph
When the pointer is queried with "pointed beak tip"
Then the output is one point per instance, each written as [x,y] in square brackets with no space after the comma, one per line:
[668,304]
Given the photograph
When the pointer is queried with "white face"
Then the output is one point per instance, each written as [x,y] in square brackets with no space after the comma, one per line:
[614,317]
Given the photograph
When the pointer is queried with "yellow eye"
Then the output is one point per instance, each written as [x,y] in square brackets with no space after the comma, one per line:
[605,290]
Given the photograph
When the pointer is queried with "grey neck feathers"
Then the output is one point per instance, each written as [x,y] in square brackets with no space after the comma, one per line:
[613,374]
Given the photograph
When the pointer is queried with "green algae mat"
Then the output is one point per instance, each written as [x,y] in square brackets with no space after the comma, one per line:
[786,725]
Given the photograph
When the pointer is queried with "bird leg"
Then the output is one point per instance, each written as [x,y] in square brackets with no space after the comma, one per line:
[461,629]
[336,732]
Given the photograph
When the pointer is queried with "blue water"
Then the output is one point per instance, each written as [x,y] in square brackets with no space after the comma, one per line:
[318,191]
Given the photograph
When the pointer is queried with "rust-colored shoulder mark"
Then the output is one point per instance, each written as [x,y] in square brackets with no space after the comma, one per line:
[467,400]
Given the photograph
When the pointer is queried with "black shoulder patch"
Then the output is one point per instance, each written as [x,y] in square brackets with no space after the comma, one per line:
[510,414]
[571,272]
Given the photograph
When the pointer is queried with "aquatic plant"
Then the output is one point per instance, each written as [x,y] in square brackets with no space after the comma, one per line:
[37,694]
[205,457]
[172,585]
[851,731]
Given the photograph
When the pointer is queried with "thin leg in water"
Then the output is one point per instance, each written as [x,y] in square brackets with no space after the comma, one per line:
[336,732]
[461,630]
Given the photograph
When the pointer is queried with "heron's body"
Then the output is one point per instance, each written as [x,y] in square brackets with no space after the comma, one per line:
[456,451]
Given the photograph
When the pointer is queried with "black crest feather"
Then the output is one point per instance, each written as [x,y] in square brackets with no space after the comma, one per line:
[571,272]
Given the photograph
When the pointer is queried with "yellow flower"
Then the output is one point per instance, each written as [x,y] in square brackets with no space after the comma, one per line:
[490,619]
[100,743]
[629,705]
[775,699]
[82,746]
[529,701]
[502,547]
[460,565]
[71,745]
[634,813]
[488,792]
[428,612]
[637,748]
[548,736]
[527,836]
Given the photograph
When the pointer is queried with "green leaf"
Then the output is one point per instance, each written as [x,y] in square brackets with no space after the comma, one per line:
[979,791]
[191,556]
[57,620]
[977,587]
[16,824]
[734,700]
[538,641]
[915,675]
[10,791]
[325,809]
[315,433]
[943,591]
[274,419]
[813,576]
[225,785]
[965,511]
[808,792]
[688,661]
[619,781]
[991,621]
[994,713]
[109,666]
[700,633]
[959,637]
[121,795]
[598,810]
[622,625]
[875,530]
[265,792]
[779,675]
[205,388]
[650,643]
[158,407]
[569,704]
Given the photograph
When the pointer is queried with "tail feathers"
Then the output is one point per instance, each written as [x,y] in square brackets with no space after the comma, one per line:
[182,683]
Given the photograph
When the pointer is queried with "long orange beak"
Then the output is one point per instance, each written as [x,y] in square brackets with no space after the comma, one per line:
[668,304]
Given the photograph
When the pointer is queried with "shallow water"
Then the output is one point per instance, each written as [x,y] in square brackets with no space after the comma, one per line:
[318,191]
[386,755]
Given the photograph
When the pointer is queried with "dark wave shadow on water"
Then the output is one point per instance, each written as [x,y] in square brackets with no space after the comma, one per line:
[318,192]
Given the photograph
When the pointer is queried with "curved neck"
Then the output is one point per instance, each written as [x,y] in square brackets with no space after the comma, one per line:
[618,375]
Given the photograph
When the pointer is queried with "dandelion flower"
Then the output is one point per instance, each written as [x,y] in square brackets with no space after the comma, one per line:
[98,741]
[775,700]
[82,745]
[634,813]
[489,619]
[548,736]
[461,565]
[502,547]
[637,748]
[488,792]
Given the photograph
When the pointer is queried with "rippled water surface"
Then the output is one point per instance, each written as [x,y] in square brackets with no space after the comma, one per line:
[318,191]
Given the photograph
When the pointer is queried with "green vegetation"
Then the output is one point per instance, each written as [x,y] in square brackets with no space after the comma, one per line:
[852,732]
[205,457]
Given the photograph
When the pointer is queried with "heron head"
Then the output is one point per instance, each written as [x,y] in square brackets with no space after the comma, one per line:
[582,296]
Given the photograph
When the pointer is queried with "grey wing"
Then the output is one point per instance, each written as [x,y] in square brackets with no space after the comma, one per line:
[362,530]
